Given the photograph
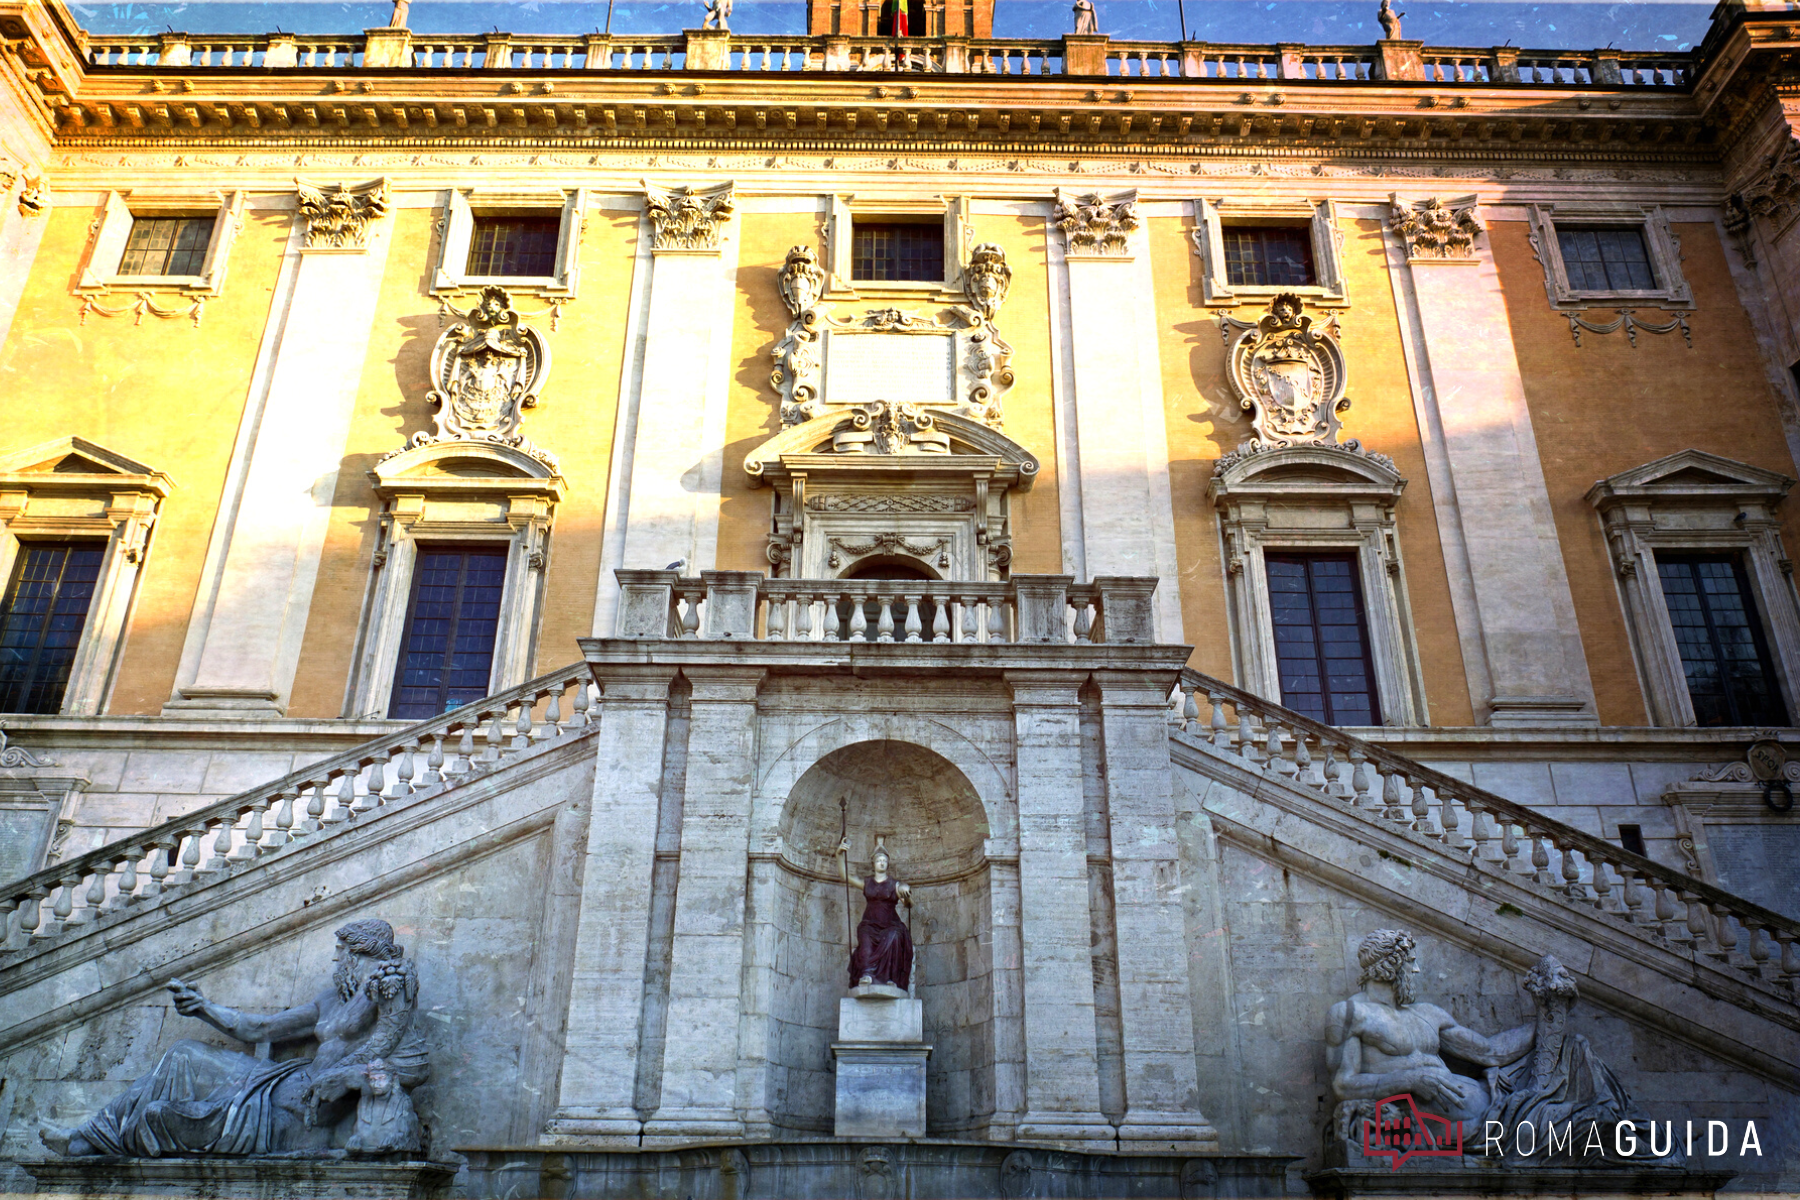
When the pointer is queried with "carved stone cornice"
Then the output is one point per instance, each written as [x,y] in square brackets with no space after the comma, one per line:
[1437,229]
[338,217]
[1096,226]
[686,220]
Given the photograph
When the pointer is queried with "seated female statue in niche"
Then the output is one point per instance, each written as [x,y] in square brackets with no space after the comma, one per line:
[884,950]
[206,1100]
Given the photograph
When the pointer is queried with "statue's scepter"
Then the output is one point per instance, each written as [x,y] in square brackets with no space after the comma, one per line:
[843,837]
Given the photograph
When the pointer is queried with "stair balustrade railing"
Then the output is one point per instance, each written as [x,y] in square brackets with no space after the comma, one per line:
[1505,836]
[147,868]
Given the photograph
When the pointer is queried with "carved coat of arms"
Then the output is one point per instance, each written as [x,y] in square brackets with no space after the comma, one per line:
[1290,376]
[486,369]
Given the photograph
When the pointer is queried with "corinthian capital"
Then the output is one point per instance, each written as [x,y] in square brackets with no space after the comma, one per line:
[687,220]
[338,217]
[1437,228]
[1097,225]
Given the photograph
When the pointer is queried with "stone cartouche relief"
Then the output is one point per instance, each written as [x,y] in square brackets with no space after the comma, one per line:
[1096,226]
[685,220]
[486,370]
[338,218]
[1773,194]
[1437,228]
[893,367]
[1289,375]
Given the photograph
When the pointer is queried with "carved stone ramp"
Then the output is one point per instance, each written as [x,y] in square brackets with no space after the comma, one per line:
[470,854]
[1302,839]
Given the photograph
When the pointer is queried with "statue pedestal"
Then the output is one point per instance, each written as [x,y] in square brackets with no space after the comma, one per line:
[881,1055]
[271,1178]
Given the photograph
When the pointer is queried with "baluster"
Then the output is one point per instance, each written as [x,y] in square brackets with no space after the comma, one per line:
[690,617]
[31,913]
[495,738]
[1421,810]
[1304,765]
[284,819]
[1246,737]
[128,880]
[996,620]
[1758,949]
[1273,746]
[1790,960]
[1478,834]
[803,625]
[361,787]
[315,806]
[253,833]
[7,908]
[833,628]
[1509,846]
[1571,872]
[1190,710]
[913,624]
[1221,735]
[434,763]
[159,866]
[379,772]
[553,711]
[1696,922]
[1634,895]
[968,616]
[940,621]
[524,727]
[1391,809]
[1723,932]
[1084,625]
[1447,817]
[99,901]
[221,847]
[403,774]
[584,715]
[1540,858]
[1603,898]
[64,908]
[190,855]
[859,620]
[464,762]
[777,618]
[884,624]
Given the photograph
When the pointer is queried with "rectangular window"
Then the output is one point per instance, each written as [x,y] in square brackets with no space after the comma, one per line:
[1268,256]
[1632,838]
[41,622]
[1729,676]
[1606,258]
[893,251]
[524,247]
[1322,638]
[167,246]
[447,651]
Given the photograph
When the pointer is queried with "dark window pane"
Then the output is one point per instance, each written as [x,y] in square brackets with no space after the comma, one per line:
[1729,676]
[41,622]
[1321,639]
[1606,259]
[1268,255]
[518,246]
[447,654]
[896,252]
[167,246]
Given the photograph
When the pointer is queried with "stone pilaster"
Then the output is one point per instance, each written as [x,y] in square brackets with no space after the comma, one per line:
[243,641]
[1162,1106]
[606,995]
[706,966]
[1126,515]
[1518,619]
[665,503]
[1062,1079]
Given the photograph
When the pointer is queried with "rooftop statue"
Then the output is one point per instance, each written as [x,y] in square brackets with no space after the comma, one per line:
[1390,20]
[398,20]
[1385,1041]
[718,15]
[205,1100]
[1086,19]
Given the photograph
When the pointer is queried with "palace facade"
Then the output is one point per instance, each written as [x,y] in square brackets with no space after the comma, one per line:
[1198,503]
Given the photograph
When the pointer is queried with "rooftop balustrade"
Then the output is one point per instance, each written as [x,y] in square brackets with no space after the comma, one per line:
[1079,56]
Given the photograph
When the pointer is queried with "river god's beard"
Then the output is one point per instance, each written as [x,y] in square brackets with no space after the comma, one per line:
[1406,988]
[347,979]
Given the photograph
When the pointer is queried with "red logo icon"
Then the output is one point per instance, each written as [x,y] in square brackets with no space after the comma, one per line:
[1399,1130]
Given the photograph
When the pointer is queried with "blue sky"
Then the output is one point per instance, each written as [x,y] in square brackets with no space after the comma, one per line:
[1654,25]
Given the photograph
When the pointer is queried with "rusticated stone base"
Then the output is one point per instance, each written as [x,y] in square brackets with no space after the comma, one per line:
[273,1178]
[1416,1180]
[858,1170]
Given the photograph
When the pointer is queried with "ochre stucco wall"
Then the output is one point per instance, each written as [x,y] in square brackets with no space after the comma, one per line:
[573,420]
[163,392]
[1204,421]
[1604,407]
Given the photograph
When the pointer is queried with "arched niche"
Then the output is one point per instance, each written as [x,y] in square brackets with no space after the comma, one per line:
[930,817]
